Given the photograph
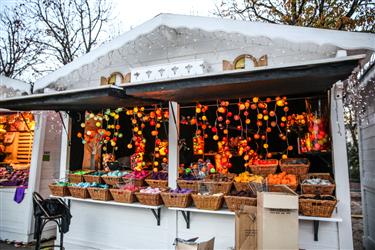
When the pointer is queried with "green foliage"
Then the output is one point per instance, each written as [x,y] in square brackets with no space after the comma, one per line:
[353,162]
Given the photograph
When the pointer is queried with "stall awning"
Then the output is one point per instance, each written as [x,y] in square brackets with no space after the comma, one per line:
[108,96]
[304,78]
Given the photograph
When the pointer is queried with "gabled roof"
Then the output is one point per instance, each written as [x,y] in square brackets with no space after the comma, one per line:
[340,39]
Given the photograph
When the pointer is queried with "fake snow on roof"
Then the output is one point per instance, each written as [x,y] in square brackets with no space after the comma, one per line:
[170,38]
[10,87]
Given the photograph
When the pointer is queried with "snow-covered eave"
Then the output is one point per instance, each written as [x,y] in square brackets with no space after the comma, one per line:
[340,39]
[14,84]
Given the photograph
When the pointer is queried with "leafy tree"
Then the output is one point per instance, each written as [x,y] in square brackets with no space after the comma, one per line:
[351,15]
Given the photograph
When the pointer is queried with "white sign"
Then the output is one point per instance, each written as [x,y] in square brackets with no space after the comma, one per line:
[167,71]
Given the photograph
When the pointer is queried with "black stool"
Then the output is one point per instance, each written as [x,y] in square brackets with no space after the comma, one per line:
[43,216]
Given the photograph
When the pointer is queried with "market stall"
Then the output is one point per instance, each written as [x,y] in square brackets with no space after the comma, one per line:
[21,168]
[171,119]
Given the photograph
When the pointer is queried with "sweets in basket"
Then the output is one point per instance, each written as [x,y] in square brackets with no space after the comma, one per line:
[263,167]
[219,183]
[208,201]
[150,196]
[114,177]
[237,199]
[276,181]
[79,190]
[317,205]
[158,179]
[246,181]
[77,176]
[178,197]
[192,176]
[136,177]
[100,192]
[59,188]
[94,177]
[124,193]
[317,183]
[296,166]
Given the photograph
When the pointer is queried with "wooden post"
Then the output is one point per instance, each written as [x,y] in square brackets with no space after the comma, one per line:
[340,163]
[173,149]
[65,146]
[36,164]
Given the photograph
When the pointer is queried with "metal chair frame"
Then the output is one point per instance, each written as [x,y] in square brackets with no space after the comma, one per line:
[47,218]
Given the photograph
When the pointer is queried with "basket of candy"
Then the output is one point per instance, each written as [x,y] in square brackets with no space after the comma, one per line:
[59,188]
[114,177]
[137,177]
[149,196]
[99,192]
[158,179]
[208,201]
[245,181]
[77,176]
[263,167]
[237,199]
[94,177]
[177,198]
[79,190]
[276,182]
[317,205]
[317,183]
[124,193]
[296,166]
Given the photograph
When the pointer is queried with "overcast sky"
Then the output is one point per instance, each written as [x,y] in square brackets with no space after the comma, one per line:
[130,13]
[134,12]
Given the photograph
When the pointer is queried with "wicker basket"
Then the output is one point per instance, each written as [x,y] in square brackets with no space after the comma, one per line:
[293,168]
[215,177]
[121,195]
[101,194]
[92,178]
[263,170]
[208,202]
[318,189]
[218,187]
[234,203]
[149,199]
[136,182]
[281,188]
[313,207]
[176,200]
[112,180]
[79,192]
[59,190]
[192,185]
[242,186]
[157,183]
[75,178]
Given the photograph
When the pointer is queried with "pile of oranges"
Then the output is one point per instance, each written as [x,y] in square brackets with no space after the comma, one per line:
[282,178]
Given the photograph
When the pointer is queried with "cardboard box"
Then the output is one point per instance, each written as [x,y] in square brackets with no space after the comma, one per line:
[277,220]
[246,228]
[193,245]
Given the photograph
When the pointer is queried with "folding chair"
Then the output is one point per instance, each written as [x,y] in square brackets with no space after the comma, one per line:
[46,217]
